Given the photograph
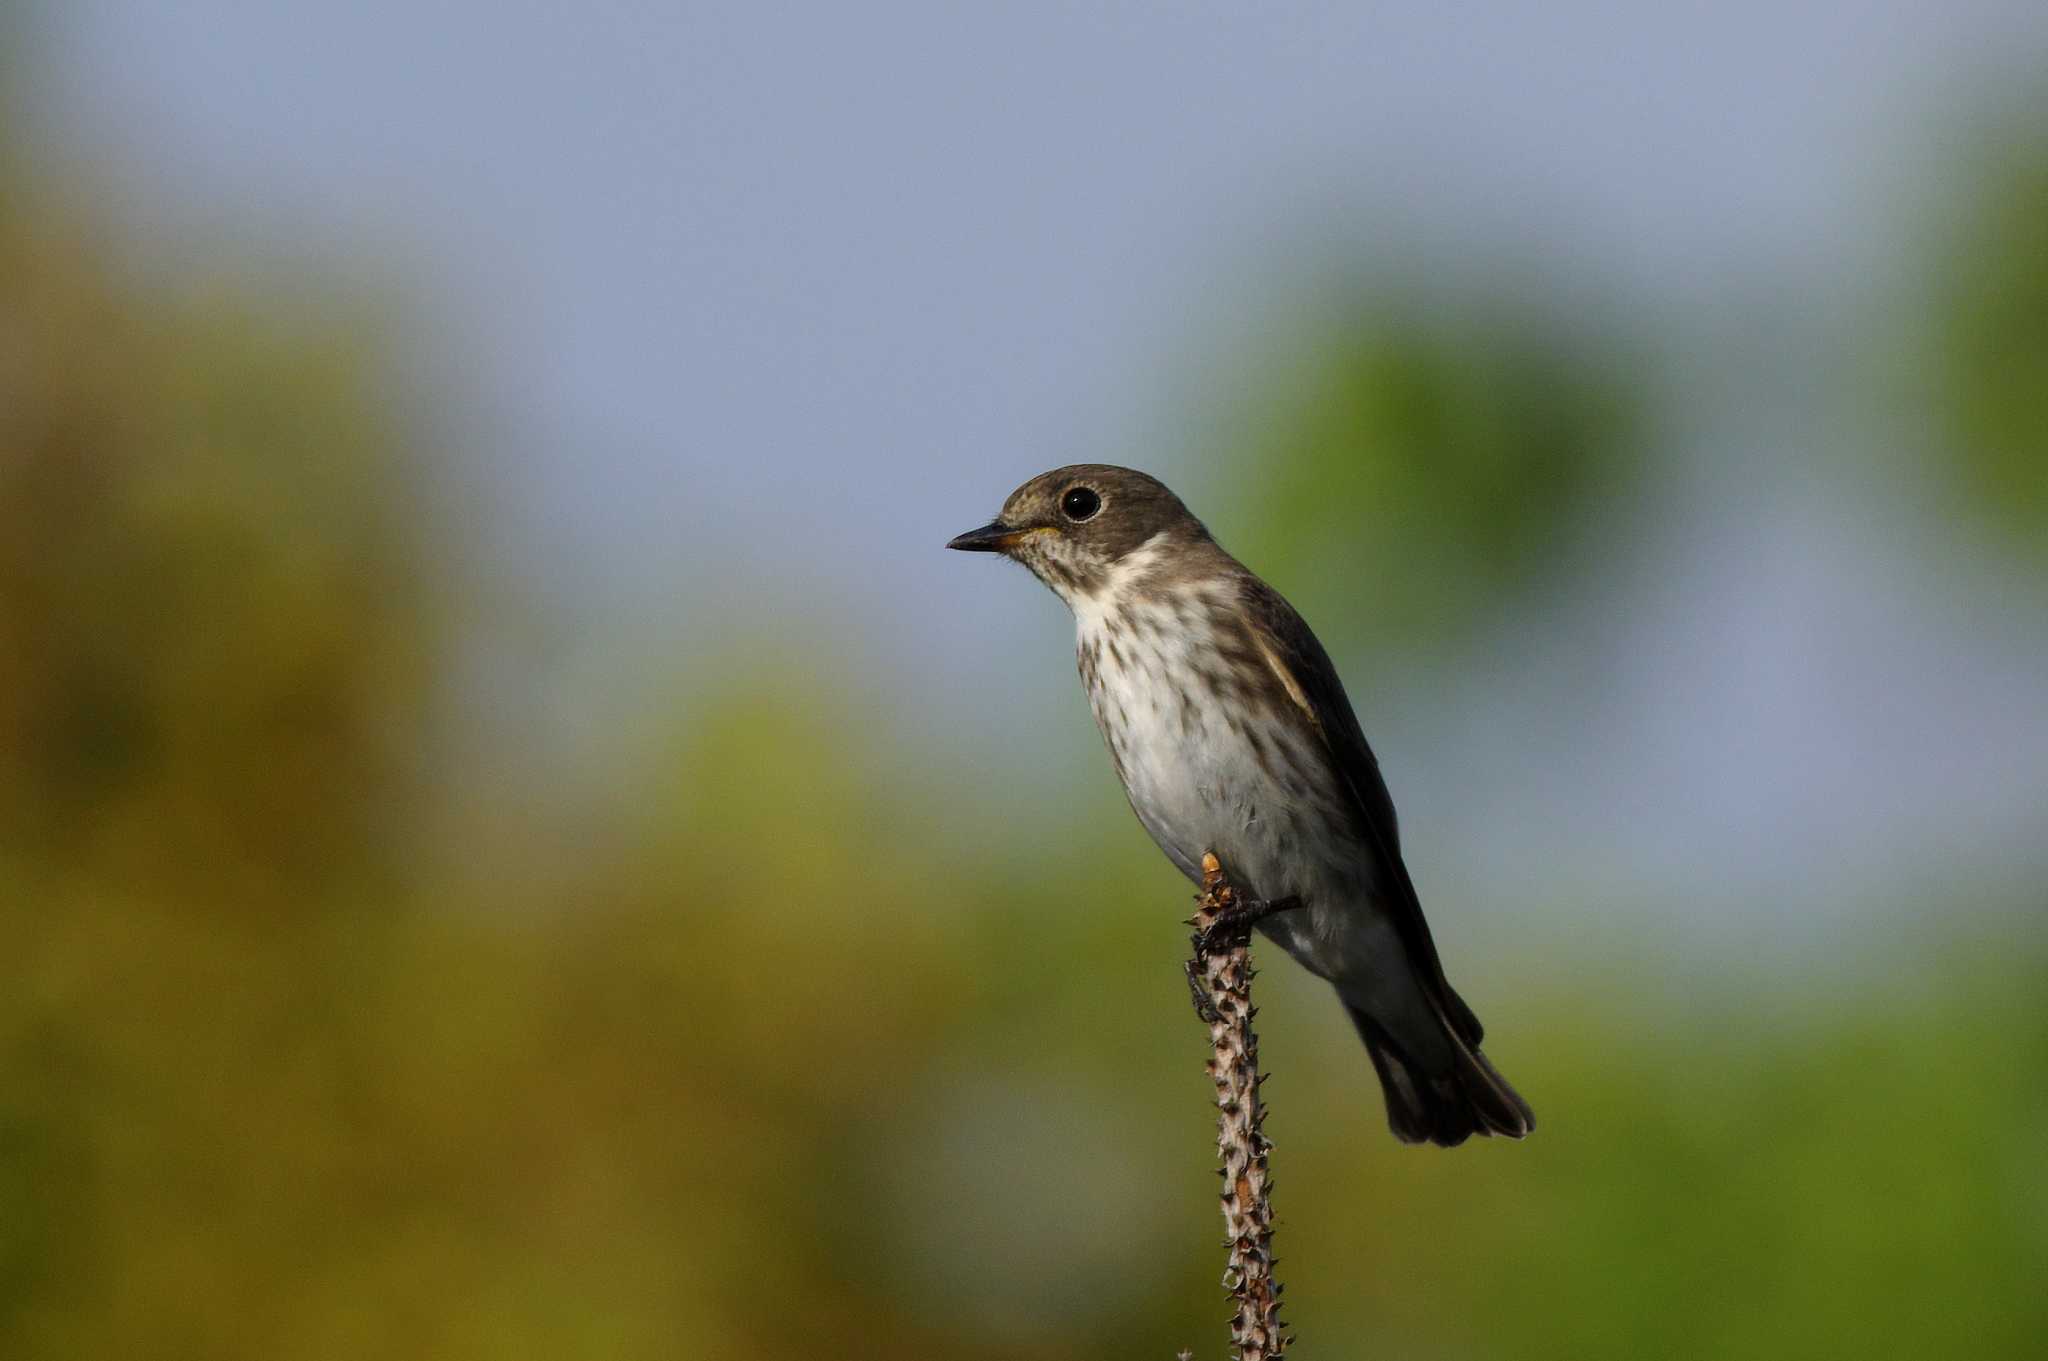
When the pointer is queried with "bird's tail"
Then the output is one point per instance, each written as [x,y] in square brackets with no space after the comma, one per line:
[1447,1107]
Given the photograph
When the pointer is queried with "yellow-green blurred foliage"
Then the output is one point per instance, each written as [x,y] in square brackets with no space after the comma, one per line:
[1988,356]
[1480,439]
[789,1061]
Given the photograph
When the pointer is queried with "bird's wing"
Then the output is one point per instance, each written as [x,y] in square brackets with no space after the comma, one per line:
[1305,672]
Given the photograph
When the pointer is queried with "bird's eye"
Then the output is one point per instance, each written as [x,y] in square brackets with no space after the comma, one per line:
[1080,503]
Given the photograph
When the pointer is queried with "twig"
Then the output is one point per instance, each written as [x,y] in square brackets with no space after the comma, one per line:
[1222,981]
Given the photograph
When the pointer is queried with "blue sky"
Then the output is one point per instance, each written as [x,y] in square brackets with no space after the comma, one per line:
[757,304]
[838,256]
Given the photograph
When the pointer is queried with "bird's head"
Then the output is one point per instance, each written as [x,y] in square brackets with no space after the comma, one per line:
[1082,528]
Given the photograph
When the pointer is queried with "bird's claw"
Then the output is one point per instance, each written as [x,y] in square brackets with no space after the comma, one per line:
[1229,928]
[1232,925]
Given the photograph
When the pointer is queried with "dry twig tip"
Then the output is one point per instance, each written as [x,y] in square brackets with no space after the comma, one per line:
[1220,976]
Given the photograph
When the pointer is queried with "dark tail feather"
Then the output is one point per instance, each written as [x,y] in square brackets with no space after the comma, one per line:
[1449,1108]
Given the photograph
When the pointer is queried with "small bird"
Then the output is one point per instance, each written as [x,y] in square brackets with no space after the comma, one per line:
[1232,734]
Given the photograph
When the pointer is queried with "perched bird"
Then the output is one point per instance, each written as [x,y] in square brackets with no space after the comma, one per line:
[1231,733]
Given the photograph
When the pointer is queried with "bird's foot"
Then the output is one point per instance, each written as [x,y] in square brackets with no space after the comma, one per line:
[1232,925]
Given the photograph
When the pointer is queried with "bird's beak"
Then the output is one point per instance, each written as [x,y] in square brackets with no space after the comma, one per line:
[993,537]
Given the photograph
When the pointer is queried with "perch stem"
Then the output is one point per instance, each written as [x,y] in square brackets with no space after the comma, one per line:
[1221,975]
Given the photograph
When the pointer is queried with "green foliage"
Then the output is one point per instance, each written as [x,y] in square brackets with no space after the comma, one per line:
[1408,468]
[216,645]
[1990,336]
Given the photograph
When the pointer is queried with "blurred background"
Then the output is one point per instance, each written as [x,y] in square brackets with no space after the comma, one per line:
[516,841]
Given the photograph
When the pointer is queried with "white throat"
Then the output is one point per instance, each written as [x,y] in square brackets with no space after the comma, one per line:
[1116,590]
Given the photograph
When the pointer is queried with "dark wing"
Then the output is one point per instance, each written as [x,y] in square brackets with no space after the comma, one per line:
[1304,670]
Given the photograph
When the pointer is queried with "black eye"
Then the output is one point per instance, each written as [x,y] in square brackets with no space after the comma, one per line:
[1080,503]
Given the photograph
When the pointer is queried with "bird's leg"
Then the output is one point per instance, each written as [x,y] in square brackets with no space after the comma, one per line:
[1232,923]
[1223,924]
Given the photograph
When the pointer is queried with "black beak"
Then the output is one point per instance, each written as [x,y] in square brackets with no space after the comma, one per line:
[992,537]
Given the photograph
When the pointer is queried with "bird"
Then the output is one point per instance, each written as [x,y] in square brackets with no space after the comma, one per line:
[1231,732]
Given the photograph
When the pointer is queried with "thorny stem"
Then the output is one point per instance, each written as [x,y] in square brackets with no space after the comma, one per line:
[1225,974]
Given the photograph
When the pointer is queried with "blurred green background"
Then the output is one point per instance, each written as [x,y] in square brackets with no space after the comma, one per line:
[354,1000]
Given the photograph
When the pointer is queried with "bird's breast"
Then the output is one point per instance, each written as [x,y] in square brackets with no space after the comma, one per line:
[1208,763]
